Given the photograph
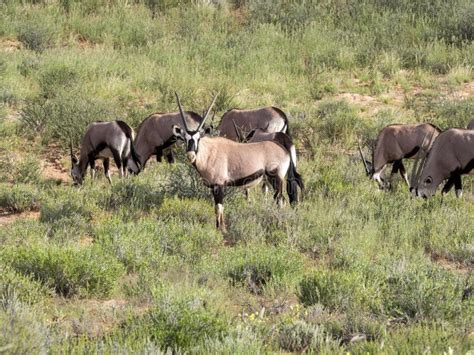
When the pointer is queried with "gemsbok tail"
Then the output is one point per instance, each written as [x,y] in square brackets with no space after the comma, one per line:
[129,134]
[294,180]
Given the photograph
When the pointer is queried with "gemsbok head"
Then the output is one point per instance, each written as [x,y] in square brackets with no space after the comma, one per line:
[451,156]
[155,134]
[395,143]
[236,124]
[222,162]
[105,140]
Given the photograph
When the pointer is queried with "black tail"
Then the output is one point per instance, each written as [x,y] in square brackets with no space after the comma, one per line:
[129,134]
[294,180]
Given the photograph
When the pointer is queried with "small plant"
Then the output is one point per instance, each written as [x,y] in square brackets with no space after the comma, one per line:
[68,271]
[18,198]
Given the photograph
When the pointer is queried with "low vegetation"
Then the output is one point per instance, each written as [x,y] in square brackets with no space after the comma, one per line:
[138,266]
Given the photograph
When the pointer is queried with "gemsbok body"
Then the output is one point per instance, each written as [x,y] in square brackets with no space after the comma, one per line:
[222,162]
[451,156]
[155,134]
[395,143]
[105,140]
[236,123]
[470,125]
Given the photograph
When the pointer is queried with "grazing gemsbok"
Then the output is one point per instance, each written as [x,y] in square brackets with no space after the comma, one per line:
[395,143]
[105,140]
[470,125]
[155,134]
[236,122]
[451,156]
[222,162]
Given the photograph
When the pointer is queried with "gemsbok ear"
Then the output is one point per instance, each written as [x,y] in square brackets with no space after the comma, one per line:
[178,132]
[208,130]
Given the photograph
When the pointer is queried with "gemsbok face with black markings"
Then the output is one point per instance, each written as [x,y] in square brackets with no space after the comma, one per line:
[395,143]
[451,156]
[222,162]
[105,140]
[155,134]
[470,125]
[236,123]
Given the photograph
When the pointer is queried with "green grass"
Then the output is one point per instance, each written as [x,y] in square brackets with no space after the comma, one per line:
[138,266]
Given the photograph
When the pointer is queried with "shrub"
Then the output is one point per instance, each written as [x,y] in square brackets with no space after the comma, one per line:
[18,198]
[180,322]
[35,35]
[70,272]
[259,266]
[15,286]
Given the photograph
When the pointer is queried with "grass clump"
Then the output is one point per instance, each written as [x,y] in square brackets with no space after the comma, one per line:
[16,286]
[257,267]
[180,322]
[70,272]
[18,198]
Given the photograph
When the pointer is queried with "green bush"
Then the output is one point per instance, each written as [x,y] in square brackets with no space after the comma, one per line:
[259,266]
[15,286]
[69,271]
[18,198]
[36,34]
[180,323]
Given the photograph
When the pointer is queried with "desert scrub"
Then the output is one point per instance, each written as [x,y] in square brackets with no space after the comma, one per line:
[186,209]
[259,266]
[180,322]
[69,271]
[15,286]
[19,198]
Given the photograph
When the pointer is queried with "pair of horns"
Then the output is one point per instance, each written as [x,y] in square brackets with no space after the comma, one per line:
[419,165]
[181,111]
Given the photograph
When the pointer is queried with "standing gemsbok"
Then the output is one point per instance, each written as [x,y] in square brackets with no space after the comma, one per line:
[451,156]
[395,143]
[236,123]
[222,162]
[105,140]
[155,134]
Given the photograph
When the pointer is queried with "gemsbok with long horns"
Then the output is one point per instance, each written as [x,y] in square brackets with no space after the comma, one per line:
[105,140]
[236,123]
[222,162]
[451,156]
[395,143]
[155,134]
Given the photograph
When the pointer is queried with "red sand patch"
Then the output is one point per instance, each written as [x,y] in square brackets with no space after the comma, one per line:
[9,218]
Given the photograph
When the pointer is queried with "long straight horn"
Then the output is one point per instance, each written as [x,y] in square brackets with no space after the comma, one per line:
[239,136]
[70,148]
[181,111]
[423,161]
[367,171]
[416,171]
[207,112]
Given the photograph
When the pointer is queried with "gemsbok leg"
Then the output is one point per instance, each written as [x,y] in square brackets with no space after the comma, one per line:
[218,194]
[92,166]
[118,161]
[106,163]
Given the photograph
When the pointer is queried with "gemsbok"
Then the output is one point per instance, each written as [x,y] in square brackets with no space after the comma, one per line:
[155,135]
[236,123]
[105,140]
[222,162]
[395,143]
[451,156]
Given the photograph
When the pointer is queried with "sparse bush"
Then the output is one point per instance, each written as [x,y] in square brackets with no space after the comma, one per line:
[180,322]
[70,272]
[258,266]
[18,198]
[35,34]
[15,286]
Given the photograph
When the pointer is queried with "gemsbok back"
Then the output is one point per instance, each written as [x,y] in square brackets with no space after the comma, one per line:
[105,140]
[222,162]
[451,156]
[395,143]
[236,123]
[155,134]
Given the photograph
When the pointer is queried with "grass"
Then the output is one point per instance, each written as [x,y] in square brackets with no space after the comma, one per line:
[351,269]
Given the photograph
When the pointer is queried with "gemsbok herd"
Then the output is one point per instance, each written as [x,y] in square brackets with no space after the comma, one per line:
[249,146]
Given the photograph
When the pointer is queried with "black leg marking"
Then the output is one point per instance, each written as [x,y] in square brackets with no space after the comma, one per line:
[277,185]
[106,164]
[117,159]
[170,158]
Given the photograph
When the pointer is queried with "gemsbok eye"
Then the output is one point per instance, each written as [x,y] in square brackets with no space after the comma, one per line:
[429,180]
